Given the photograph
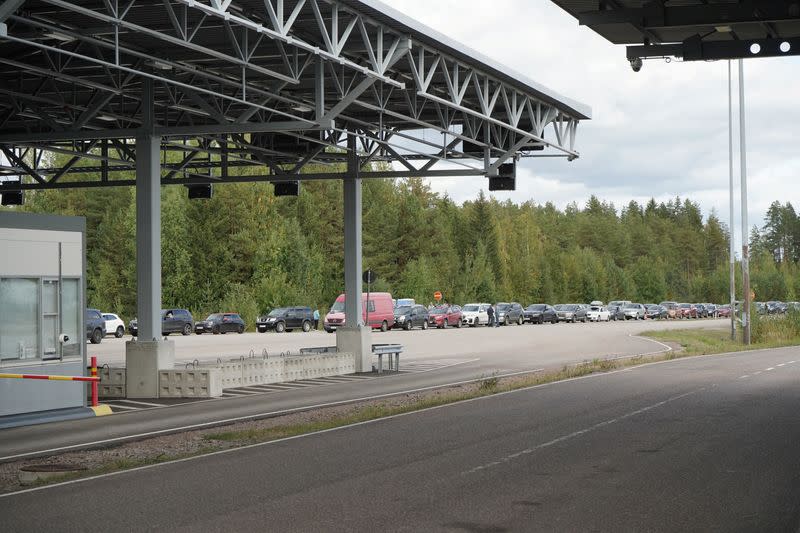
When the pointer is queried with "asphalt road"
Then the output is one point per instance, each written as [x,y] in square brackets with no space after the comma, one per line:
[700,444]
[454,355]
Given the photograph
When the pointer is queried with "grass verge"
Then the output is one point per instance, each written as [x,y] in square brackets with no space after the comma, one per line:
[711,341]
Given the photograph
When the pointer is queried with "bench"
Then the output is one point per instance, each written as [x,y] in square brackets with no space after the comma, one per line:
[388,349]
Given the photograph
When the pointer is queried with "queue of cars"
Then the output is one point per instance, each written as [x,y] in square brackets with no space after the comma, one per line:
[384,313]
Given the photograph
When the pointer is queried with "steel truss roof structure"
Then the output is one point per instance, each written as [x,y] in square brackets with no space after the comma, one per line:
[275,84]
[694,29]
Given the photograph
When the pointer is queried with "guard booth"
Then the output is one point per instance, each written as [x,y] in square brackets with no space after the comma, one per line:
[42,302]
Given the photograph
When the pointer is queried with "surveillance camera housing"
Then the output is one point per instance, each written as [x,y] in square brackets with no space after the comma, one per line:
[636,64]
[63,338]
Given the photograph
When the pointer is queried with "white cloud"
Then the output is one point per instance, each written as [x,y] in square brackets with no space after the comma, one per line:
[658,133]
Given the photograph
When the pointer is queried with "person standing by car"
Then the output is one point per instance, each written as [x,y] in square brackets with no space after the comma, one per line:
[490,314]
[316,319]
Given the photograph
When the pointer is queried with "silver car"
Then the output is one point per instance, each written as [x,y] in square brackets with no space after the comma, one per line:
[634,311]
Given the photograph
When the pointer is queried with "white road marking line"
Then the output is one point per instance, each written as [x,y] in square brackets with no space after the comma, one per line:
[115,406]
[743,377]
[790,363]
[578,433]
[782,364]
[445,366]
[770,368]
[756,373]
[136,402]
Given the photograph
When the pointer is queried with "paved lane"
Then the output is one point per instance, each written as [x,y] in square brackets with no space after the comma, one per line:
[701,444]
[450,356]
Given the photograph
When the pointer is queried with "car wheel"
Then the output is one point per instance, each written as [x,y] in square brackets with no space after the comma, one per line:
[444,323]
[384,326]
[306,326]
[120,332]
[458,324]
[425,325]
[407,326]
[280,327]
[215,330]
[240,330]
[519,320]
[97,336]
[187,329]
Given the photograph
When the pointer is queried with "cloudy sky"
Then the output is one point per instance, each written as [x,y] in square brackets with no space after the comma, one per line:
[658,133]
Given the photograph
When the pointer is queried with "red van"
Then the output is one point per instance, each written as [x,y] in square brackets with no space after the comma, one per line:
[381,312]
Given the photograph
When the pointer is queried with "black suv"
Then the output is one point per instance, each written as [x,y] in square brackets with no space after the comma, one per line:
[220,323]
[411,316]
[509,313]
[540,313]
[95,326]
[286,319]
[172,321]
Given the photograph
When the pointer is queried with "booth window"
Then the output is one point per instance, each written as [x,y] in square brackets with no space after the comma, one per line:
[71,317]
[33,313]
[19,318]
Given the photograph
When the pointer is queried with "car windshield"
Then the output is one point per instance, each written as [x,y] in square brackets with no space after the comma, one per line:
[337,307]
[402,310]
[536,307]
[594,308]
[685,306]
[277,312]
[469,308]
[631,306]
[570,307]
[439,311]
[213,316]
[503,307]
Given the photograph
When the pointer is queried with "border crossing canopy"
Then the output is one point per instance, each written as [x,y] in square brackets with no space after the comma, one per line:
[275,84]
[693,29]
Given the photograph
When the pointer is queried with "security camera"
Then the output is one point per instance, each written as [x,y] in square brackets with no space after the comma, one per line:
[636,64]
[63,338]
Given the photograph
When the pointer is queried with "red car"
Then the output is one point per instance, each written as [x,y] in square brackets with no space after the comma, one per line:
[688,311]
[724,311]
[445,315]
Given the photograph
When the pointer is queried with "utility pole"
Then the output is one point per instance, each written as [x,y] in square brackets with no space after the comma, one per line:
[730,176]
[745,243]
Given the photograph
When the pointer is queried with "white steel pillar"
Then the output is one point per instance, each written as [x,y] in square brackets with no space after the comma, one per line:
[148,354]
[731,206]
[745,234]
[354,337]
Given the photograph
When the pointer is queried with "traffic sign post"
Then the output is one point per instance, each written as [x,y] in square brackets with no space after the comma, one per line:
[369,278]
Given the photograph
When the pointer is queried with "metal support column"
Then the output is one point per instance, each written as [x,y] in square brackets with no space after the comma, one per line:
[148,222]
[146,356]
[353,306]
[745,235]
[732,231]
[354,337]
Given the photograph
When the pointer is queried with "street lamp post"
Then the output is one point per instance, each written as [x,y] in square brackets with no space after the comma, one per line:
[745,244]
[732,232]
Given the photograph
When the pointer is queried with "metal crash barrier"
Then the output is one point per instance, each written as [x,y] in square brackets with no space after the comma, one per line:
[93,379]
[388,349]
